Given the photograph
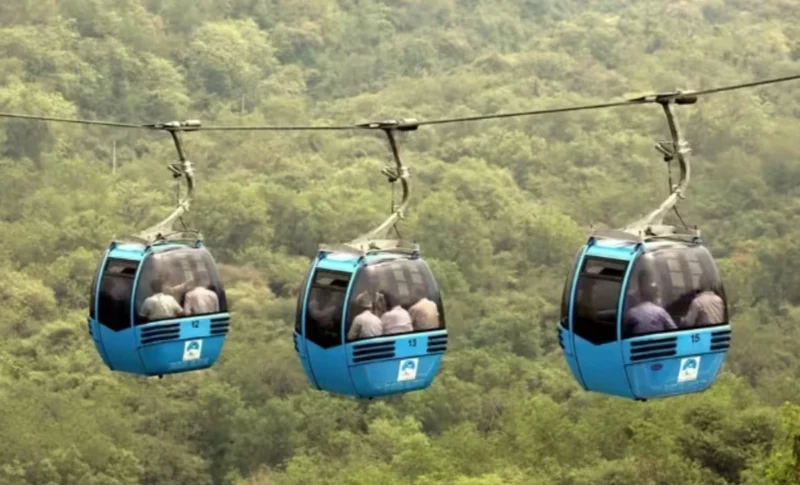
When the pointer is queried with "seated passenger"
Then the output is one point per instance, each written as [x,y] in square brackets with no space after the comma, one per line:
[707,308]
[397,320]
[647,317]
[322,313]
[200,300]
[379,306]
[424,314]
[168,275]
[366,324]
[160,306]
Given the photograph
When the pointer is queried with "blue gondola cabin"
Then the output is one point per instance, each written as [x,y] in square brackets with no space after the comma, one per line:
[644,320]
[370,325]
[158,309]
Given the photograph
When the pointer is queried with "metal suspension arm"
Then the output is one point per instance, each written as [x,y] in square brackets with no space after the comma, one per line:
[373,239]
[184,168]
[652,223]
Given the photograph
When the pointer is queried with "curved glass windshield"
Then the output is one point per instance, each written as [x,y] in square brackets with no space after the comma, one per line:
[394,297]
[178,283]
[674,288]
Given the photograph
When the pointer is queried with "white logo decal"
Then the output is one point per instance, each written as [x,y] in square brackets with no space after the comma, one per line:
[689,368]
[408,370]
[191,349]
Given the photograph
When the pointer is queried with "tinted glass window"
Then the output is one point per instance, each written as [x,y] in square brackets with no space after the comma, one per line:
[674,288]
[177,283]
[597,297]
[114,301]
[325,307]
[567,288]
[394,297]
[298,315]
[93,289]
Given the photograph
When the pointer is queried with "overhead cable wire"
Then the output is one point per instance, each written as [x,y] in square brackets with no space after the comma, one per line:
[647,99]
[70,120]
[280,128]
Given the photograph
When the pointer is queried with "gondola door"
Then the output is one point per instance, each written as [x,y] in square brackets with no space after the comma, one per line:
[565,335]
[322,325]
[299,331]
[596,316]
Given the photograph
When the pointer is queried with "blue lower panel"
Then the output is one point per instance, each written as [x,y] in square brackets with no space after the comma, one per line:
[602,368]
[94,331]
[395,376]
[181,355]
[329,368]
[680,375]
[117,349]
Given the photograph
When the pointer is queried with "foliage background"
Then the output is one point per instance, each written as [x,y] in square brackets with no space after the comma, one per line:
[500,209]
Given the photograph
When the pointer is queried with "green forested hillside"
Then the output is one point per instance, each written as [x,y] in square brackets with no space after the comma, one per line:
[500,208]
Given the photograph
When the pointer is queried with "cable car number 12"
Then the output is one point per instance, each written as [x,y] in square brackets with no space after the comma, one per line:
[195,323]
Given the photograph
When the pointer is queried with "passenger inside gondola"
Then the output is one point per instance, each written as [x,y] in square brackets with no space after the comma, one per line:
[178,279]
[160,305]
[424,313]
[366,324]
[707,307]
[397,320]
[200,300]
[400,294]
[647,316]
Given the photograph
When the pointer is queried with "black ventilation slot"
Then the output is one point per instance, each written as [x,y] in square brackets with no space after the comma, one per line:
[437,344]
[654,349]
[220,326]
[720,340]
[369,352]
[161,333]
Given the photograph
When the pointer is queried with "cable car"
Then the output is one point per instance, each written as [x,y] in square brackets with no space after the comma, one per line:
[158,305]
[644,313]
[370,320]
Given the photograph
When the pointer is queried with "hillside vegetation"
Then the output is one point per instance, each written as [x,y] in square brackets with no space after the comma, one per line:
[499,209]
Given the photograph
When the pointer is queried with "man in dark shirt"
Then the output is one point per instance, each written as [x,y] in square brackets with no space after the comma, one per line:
[647,317]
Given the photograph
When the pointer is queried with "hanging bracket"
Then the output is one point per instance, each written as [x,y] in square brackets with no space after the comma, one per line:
[376,240]
[164,231]
[652,226]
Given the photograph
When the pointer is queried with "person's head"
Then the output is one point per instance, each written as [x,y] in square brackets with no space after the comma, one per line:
[364,301]
[380,306]
[156,285]
[648,291]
